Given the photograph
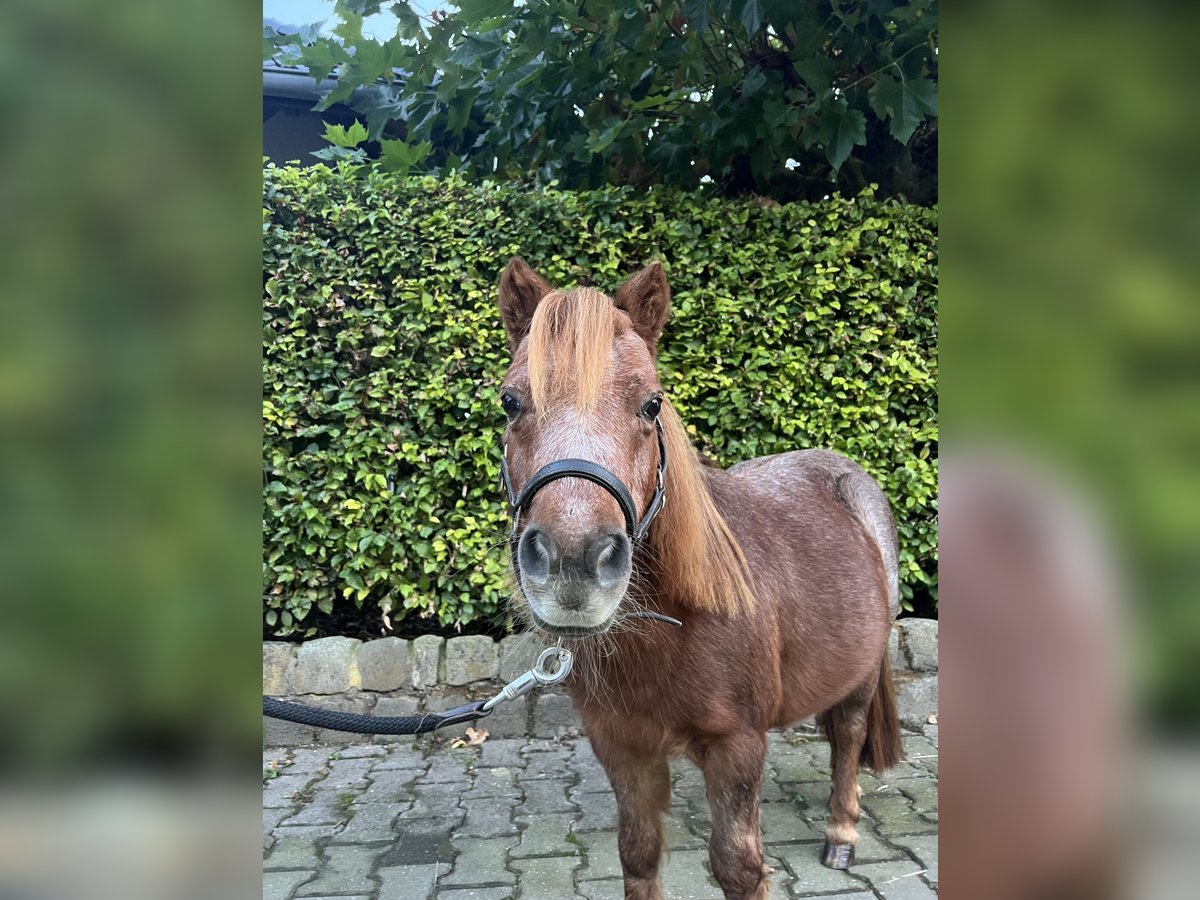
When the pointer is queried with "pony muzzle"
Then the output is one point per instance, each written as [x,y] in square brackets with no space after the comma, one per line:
[573,587]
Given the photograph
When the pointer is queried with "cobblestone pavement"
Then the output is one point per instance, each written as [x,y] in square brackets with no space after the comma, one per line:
[535,818]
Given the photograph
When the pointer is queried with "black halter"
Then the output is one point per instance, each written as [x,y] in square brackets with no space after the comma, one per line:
[597,474]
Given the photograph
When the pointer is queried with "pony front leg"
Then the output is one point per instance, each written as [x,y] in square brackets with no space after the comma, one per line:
[733,771]
[642,783]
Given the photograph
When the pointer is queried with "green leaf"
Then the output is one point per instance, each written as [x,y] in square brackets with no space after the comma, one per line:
[750,15]
[340,136]
[839,131]
[904,104]
[400,156]
[481,10]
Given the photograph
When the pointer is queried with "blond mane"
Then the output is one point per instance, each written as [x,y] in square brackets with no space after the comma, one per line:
[696,556]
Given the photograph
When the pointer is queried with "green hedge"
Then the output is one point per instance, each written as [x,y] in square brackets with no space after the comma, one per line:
[806,325]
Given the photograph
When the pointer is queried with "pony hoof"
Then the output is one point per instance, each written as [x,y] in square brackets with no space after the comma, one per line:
[837,856]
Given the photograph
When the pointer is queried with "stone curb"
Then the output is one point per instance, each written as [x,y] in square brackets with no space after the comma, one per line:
[391,677]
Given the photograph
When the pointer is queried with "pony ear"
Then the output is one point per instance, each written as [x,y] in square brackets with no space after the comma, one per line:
[646,297]
[521,290]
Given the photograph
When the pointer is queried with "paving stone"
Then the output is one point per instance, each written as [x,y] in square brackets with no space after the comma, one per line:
[608,889]
[347,774]
[495,893]
[549,878]
[346,870]
[780,879]
[422,842]
[325,808]
[811,877]
[603,858]
[923,793]
[546,765]
[547,796]
[895,816]
[784,822]
[408,882]
[294,851]
[280,885]
[596,811]
[326,666]
[363,751]
[383,664]
[426,660]
[871,849]
[916,699]
[493,782]
[685,877]
[921,641]
[369,823]
[390,786]
[435,802]
[545,834]
[449,767]
[282,792]
[271,820]
[925,848]
[489,817]
[678,836]
[505,753]
[481,862]
[896,880]
[553,714]
[471,658]
[278,658]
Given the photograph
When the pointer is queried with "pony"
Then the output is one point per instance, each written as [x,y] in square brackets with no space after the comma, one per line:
[780,575]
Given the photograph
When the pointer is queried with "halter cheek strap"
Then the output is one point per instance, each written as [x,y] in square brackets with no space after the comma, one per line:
[597,474]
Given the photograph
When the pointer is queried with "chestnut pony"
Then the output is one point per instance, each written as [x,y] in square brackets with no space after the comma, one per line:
[782,570]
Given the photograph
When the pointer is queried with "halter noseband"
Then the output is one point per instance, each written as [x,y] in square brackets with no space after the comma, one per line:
[597,474]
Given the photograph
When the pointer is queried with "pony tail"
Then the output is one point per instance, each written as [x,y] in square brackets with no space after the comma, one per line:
[883,748]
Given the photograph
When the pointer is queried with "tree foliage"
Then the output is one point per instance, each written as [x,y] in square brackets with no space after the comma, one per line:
[802,325]
[784,98]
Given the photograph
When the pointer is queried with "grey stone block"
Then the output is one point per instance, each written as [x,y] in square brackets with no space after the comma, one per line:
[916,699]
[921,641]
[408,882]
[277,668]
[278,733]
[481,861]
[471,658]
[280,885]
[347,870]
[548,878]
[353,702]
[518,653]
[383,664]
[895,654]
[327,666]
[426,660]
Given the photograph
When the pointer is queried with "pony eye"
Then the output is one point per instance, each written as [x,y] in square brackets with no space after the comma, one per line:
[652,408]
[511,405]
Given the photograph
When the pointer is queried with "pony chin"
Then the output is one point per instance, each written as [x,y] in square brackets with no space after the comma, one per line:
[593,617]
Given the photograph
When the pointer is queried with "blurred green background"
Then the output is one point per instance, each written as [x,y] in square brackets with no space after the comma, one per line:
[1071,285]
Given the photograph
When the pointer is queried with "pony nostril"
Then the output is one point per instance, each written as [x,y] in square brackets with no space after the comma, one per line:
[536,553]
[609,559]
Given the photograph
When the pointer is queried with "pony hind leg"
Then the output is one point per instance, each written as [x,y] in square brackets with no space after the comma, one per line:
[733,771]
[845,725]
[862,729]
